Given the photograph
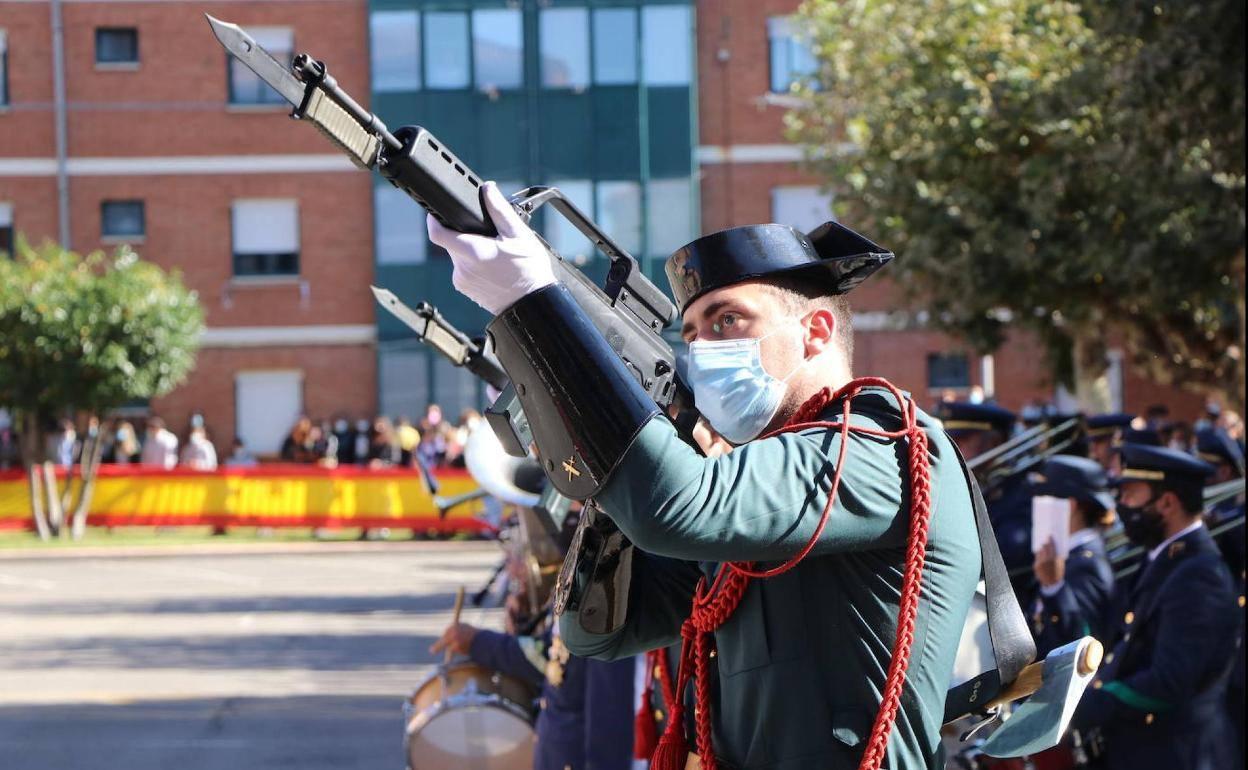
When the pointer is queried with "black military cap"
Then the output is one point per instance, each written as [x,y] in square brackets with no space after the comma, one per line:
[832,255]
[962,417]
[1161,465]
[1104,426]
[1141,436]
[1214,446]
[1077,477]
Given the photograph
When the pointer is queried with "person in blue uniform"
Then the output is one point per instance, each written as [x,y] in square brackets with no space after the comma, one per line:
[586,709]
[1158,700]
[977,429]
[1075,588]
[1105,433]
[1214,446]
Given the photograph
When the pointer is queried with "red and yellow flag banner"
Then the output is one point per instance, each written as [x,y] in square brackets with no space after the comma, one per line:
[263,496]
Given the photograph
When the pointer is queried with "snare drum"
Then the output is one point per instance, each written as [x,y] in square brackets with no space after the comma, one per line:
[467,717]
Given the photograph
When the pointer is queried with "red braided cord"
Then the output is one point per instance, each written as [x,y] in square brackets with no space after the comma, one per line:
[712,607]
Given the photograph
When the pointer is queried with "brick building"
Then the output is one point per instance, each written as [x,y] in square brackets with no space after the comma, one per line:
[188,158]
[662,118]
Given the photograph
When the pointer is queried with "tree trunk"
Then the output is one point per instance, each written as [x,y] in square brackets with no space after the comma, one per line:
[32,458]
[56,514]
[1091,368]
[90,468]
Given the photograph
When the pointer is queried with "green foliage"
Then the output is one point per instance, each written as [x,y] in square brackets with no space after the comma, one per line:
[90,333]
[1073,170]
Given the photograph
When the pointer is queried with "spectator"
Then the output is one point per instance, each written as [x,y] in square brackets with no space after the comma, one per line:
[239,456]
[1181,437]
[324,446]
[383,446]
[67,444]
[408,437]
[125,444]
[432,448]
[344,438]
[10,450]
[363,441]
[458,437]
[297,448]
[160,447]
[199,453]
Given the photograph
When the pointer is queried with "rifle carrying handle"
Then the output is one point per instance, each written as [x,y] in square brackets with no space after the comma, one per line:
[432,176]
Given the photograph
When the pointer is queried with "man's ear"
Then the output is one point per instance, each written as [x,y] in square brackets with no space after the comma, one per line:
[820,331]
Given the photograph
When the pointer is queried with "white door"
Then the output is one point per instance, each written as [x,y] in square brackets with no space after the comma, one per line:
[266,405]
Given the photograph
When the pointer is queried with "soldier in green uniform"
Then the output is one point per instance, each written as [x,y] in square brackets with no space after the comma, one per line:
[800,661]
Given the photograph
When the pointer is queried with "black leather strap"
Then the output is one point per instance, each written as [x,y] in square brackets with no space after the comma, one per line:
[1012,645]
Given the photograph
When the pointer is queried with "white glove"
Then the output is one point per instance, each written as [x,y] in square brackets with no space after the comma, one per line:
[496,272]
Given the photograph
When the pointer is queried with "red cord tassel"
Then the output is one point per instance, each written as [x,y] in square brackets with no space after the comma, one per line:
[645,730]
[673,751]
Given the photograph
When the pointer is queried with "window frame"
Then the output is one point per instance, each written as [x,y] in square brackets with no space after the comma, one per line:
[108,237]
[949,355]
[271,275]
[8,232]
[4,69]
[120,64]
[276,101]
[791,44]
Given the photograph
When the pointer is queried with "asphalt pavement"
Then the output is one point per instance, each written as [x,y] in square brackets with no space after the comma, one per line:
[198,660]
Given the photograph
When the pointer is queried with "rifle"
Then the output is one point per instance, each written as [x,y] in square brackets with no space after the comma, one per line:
[629,310]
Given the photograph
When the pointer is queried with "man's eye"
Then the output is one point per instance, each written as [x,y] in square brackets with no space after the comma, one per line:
[726,321]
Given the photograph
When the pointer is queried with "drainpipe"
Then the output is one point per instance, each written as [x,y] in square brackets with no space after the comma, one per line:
[62,138]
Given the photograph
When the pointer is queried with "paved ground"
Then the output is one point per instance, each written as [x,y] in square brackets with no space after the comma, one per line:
[287,659]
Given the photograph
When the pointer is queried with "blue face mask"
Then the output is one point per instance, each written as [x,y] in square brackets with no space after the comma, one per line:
[731,389]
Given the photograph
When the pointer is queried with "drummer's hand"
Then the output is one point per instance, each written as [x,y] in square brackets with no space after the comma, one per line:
[457,638]
[1050,568]
[495,272]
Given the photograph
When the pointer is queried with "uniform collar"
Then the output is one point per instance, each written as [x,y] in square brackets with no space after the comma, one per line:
[1189,529]
[1081,537]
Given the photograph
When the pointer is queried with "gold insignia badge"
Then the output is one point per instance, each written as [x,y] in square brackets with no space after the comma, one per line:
[1175,549]
[569,465]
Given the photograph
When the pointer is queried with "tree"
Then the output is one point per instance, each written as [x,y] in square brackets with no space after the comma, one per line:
[1038,164]
[82,336]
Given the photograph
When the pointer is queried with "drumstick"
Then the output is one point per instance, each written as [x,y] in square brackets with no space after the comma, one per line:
[459,606]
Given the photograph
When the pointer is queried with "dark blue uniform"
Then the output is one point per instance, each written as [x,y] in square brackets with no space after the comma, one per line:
[586,720]
[1079,607]
[1158,699]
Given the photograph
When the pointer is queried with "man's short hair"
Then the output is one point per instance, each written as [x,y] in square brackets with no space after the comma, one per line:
[1191,495]
[803,295]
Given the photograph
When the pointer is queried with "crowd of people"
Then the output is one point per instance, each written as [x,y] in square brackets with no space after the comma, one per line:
[432,442]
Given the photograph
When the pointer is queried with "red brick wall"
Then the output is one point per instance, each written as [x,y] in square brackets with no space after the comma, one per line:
[337,380]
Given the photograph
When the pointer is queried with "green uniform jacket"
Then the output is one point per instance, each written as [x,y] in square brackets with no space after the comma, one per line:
[802,661]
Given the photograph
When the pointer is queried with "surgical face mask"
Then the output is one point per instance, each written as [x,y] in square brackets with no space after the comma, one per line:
[1142,524]
[731,388]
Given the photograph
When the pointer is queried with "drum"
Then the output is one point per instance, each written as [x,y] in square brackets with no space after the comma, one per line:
[467,717]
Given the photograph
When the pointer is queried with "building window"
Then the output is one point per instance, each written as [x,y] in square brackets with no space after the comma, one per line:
[803,207]
[246,87]
[122,219]
[4,68]
[116,45]
[948,370]
[446,50]
[563,34]
[669,215]
[398,242]
[497,49]
[792,60]
[615,46]
[6,229]
[667,37]
[395,47]
[266,237]
[619,213]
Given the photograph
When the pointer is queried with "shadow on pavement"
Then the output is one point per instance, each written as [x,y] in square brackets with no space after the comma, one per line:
[309,652]
[309,733]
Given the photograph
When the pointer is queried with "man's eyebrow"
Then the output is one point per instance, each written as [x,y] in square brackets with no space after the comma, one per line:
[709,311]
